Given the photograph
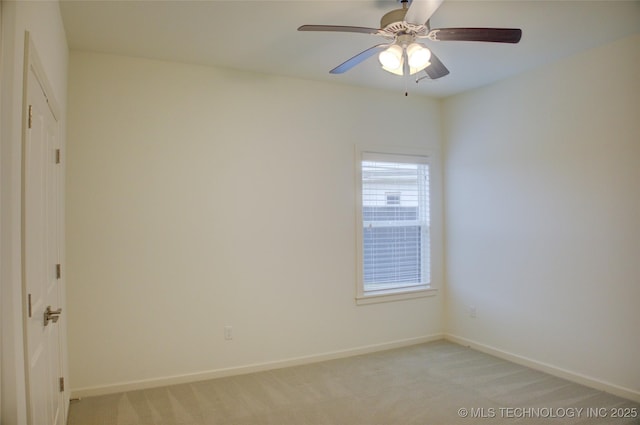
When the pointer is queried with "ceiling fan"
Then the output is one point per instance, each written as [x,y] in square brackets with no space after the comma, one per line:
[403,28]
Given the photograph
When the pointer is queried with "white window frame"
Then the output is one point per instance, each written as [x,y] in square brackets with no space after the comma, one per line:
[397,154]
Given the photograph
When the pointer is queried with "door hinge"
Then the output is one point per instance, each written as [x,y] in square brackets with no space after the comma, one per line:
[58,271]
[30,123]
[29,304]
[58,156]
[61,384]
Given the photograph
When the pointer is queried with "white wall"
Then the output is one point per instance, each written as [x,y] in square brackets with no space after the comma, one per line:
[542,189]
[43,21]
[202,197]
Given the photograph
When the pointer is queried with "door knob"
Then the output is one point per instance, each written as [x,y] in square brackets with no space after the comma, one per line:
[51,315]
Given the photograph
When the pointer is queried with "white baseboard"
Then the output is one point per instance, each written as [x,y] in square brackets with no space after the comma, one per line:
[550,369]
[241,370]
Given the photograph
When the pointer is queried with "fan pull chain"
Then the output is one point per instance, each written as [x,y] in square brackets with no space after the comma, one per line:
[406,77]
[406,70]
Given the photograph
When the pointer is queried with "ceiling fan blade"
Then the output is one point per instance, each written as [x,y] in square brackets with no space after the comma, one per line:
[338,28]
[436,69]
[494,35]
[360,57]
[421,10]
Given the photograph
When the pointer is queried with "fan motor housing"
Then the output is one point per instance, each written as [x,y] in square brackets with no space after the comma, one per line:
[392,17]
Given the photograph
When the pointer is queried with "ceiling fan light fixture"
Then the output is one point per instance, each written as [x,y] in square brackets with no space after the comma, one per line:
[398,70]
[419,56]
[391,58]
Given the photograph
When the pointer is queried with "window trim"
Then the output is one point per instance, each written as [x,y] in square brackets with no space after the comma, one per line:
[399,154]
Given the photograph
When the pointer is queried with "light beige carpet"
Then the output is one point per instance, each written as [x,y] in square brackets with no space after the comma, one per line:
[428,384]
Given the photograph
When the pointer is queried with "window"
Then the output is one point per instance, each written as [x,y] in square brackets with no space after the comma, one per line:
[394,226]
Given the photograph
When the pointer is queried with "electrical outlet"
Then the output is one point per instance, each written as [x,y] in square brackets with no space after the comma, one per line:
[228,333]
[472,311]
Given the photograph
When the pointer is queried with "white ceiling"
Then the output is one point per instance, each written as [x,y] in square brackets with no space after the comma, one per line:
[261,35]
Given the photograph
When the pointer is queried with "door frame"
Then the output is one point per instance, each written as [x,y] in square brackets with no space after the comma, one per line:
[32,63]
[1,186]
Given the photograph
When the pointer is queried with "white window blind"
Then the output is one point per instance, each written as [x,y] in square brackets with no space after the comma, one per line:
[395,235]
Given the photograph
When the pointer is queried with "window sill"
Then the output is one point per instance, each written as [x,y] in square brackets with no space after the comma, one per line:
[395,296]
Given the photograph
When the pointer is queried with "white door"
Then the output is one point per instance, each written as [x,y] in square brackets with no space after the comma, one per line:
[41,257]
